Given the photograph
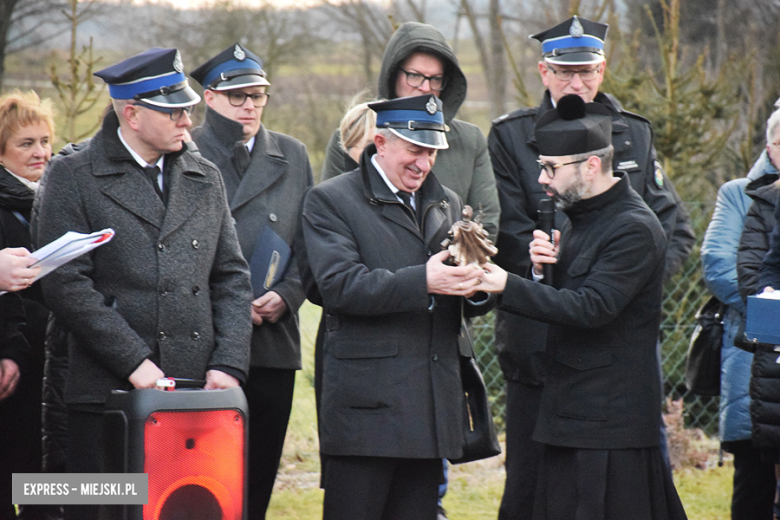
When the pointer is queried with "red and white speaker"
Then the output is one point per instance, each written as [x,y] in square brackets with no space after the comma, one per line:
[191,443]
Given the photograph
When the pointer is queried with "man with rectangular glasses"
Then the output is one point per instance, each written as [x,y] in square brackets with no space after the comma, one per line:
[572,62]
[169,295]
[266,175]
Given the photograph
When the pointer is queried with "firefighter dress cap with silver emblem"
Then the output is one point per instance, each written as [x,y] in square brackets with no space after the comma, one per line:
[416,119]
[576,41]
[155,77]
[235,67]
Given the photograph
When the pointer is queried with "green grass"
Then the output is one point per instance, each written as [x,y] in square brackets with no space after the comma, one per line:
[475,489]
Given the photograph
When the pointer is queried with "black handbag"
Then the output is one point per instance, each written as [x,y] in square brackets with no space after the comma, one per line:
[702,367]
[479,432]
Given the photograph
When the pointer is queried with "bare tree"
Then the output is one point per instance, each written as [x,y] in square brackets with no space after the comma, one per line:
[78,92]
[370,22]
[21,24]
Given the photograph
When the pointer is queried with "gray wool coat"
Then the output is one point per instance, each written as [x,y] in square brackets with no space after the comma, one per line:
[391,383]
[172,286]
[268,190]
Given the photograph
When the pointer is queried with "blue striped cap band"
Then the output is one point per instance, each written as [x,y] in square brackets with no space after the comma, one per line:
[130,90]
[229,65]
[570,42]
[402,116]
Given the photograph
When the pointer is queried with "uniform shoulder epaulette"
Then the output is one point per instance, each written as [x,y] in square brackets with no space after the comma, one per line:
[635,116]
[520,112]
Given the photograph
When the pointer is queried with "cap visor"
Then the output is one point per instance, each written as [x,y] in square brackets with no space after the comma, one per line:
[181,98]
[575,58]
[424,138]
[247,80]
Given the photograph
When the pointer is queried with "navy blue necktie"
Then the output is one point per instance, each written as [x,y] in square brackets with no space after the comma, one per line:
[152,172]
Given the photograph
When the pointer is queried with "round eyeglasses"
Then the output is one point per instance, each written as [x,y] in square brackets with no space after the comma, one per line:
[238,98]
[550,168]
[415,79]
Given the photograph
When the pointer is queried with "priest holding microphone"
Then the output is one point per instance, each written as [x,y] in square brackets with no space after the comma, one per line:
[600,407]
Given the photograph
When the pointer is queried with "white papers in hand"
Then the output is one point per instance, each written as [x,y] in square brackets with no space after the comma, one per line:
[774,295]
[67,247]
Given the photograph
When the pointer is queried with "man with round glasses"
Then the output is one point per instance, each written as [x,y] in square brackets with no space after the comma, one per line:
[169,295]
[573,62]
[266,175]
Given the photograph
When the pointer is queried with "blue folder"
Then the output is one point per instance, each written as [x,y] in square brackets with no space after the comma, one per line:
[269,261]
[763,321]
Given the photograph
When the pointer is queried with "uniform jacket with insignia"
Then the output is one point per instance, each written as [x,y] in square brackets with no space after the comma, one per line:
[390,383]
[265,188]
[464,167]
[603,386]
[513,152]
[171,286]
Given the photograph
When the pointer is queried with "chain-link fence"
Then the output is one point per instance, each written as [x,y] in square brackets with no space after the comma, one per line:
[682,297]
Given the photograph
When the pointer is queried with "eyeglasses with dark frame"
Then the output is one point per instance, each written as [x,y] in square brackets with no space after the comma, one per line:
[238,98]
[550,168]
[415,79]
[568,75]
[175,113]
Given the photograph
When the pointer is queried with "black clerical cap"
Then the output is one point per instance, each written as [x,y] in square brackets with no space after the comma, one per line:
[576,41]
[155,77]
[573,127]
[235,67]
[417,119]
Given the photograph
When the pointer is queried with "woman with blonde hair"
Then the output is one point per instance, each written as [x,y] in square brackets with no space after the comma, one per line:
[356,131]
[26,134]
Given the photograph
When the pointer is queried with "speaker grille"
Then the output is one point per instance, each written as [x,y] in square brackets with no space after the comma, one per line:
[195,462]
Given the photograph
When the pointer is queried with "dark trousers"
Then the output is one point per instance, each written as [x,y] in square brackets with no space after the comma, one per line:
[20,435]
[269,393]
[523,455]
[85,451]
[381,488]
[754,482]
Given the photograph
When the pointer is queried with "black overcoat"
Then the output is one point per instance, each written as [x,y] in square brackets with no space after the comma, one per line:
[268,191]
[391,383]
[514,153]
[172,285]
[603,388]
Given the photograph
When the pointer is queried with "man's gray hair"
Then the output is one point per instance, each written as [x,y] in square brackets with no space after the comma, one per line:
[387,134]
[119,106]
[771,126]
[605,154]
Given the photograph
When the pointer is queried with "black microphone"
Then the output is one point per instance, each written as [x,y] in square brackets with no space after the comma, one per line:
[546,223]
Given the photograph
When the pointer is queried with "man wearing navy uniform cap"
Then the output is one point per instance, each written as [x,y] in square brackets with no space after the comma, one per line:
[600,409]
[266,175]
[169,295]
[391,391]
[573,62]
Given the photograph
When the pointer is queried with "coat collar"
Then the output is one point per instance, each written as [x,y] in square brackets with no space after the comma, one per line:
[128,188]
[266,166]
[14,195]
[431,196]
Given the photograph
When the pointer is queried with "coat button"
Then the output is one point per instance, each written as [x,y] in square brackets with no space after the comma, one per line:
[628,143]
[163,292]
[196,290]
[161,335]
[272,217]
[435,357]
[195,336]
[195,243]
[161,247]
